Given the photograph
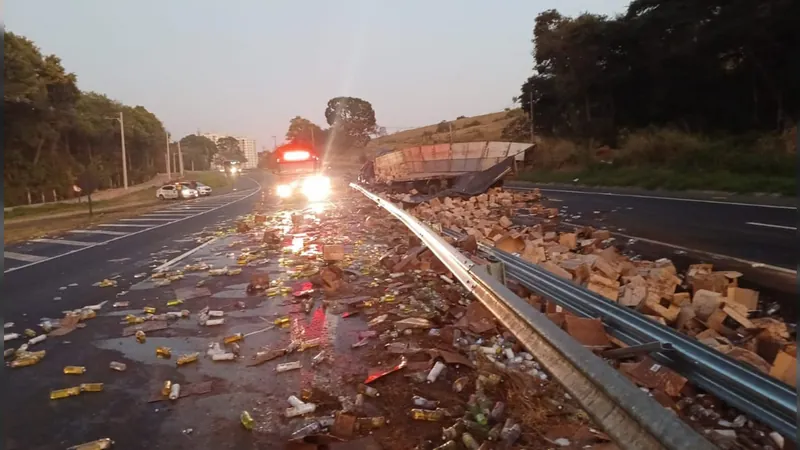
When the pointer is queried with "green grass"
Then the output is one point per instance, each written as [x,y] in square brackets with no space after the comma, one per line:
[214,179]
[659,178]
[57,208]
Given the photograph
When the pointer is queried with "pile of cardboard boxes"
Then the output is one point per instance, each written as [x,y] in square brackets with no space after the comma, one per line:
[704,303]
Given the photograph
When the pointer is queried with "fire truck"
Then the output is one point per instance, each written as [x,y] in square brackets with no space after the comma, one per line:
[299,173]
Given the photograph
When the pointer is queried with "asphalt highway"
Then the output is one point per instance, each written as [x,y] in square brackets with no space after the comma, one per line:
[756,233]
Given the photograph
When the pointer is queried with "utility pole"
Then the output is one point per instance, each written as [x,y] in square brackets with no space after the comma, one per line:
[180,157]
[531,100]
[450,124]
[124,156]
[274,142]
[169,174]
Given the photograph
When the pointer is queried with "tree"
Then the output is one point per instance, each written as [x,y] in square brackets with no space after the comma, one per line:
[198,151]
[53,132]
[307,132]
[228,148]
[352,121]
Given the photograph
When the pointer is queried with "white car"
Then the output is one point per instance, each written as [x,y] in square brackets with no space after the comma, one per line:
[176,191]
[203,189]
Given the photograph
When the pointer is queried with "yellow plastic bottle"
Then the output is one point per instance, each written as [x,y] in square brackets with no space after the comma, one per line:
[64,393]
[281,321]
[164,352]
[74,370]
[149,310]
[247,420]
[166,388]
[188,358]
[423,414]
[175,302]
[233,338]
[141,337]
[91,387]
[100,444]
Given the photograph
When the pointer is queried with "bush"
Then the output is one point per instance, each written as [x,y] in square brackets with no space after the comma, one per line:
[443,127]
[461,117]
[473,123]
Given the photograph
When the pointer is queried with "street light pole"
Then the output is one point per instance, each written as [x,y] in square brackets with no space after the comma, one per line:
[274,142]
[124,156]
[169,174]
[180,157]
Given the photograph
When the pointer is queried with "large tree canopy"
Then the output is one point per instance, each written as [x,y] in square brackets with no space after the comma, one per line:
[698,65]
[352,121]
[229,149]
[53,132]
[198,151]
[307,132]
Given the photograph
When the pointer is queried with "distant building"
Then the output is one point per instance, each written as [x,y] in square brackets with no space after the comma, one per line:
[247,145]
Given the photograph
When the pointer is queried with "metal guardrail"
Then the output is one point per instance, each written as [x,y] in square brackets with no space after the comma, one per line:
[631,418]
[761,396]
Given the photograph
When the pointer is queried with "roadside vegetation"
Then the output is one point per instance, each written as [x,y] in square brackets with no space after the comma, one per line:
[54,132]
[673,94]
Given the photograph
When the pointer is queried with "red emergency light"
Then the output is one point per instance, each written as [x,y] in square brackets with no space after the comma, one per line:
[296,155]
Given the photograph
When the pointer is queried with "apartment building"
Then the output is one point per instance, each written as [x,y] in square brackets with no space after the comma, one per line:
[247,145]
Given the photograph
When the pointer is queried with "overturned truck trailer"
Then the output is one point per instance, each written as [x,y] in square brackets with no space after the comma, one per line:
[432,168]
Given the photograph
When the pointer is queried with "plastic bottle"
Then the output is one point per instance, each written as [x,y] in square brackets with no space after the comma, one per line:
[64,393]
[281,321]
[318,358]
[424,402]
[511,434]
[223,357]
[285,367]
[141,337]
[449,445]
[247,420]
[305,408]
[166,388]
[91,387]
[100,444]
[296,402]
[454,431]
[435,371]
[308,430]
[164,352]
[216,313]
[233,338]
[187,358]
[370,423]
[469,441]
[10,336]
[423,414]
[118,366]
[37,339]
[175,302]
[74,370]
[212,322]
[175,391]
[149,310]
[368,390]
[29,333]
[460,384]
[498,411]
[494,433]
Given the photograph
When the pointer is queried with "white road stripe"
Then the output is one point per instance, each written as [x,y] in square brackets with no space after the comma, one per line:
[133,225]
[109,232]
[654,197]
[152,219]
[125,235]
[184,255]
[23,257]
[769,225]
[64,242]
[165,214]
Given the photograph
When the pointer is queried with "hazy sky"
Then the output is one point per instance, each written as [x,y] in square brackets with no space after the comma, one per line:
[246,67]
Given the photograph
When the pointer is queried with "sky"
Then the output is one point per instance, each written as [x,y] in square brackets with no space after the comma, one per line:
[246,67]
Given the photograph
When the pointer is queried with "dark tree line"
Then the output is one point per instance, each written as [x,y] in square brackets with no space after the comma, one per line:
[699,66]
[53,132]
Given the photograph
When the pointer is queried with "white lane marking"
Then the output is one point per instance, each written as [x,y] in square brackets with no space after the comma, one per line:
[64,242]
[152,219]
[184,255]
[109,232]
[132,225]
[165,214]
[701,252]
[770,225]
[654,197]
[23,257]
[257,190]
